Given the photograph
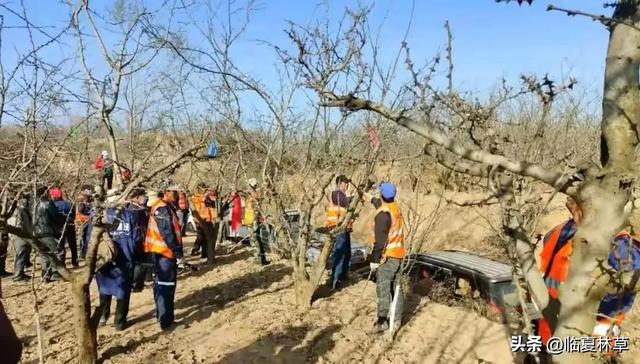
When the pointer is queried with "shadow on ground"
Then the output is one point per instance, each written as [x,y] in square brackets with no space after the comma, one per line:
[224,255]
[200,304]
[325,290]
[297,344]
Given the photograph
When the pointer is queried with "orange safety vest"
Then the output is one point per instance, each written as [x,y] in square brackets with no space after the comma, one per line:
[80,217]
[333,215]
[208,214]
[554,257]
[554,265]
[153,242]
[395,241]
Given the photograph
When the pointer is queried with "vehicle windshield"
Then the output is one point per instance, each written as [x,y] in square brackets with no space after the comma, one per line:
[504,293]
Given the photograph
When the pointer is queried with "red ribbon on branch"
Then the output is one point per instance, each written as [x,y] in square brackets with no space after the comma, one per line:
[373,137]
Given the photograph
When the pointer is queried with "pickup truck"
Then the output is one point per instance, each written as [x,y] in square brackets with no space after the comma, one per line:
[471,276]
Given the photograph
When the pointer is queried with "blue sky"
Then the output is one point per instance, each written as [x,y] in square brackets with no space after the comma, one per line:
[491,40]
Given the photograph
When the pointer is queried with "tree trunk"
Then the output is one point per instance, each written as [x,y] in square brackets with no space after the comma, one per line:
[86,324]
[303,289]
[216,241]
[86,331]
[580,295]
[520,252]
[321,264]
[113,146]
[605,194]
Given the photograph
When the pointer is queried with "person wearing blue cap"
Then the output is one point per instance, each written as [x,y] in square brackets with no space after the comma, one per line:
[386,257]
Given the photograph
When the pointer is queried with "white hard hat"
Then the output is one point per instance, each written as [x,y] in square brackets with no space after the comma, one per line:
[252,182]
[105,153]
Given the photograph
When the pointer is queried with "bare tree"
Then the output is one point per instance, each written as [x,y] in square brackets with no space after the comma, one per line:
[133,52]
[601,190]
[35,92]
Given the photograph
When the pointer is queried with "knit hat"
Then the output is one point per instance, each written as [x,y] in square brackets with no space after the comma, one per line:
[387,190]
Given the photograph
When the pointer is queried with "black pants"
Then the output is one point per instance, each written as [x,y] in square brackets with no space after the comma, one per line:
[51,245]
[258,238]
[122,310]
[199,243]
[22,251]
[108,178]
[68,238]
[206,239]
[183,219]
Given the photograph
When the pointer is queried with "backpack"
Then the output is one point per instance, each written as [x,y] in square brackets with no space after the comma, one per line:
[212,152]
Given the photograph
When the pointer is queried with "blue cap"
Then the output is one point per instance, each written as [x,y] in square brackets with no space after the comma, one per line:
[387,190]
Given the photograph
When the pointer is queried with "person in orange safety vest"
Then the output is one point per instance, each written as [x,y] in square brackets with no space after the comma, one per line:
[554,265]
[336,212]
[205,213]
[386,258]
[164,241]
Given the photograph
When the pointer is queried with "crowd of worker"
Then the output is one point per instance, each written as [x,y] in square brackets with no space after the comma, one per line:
[146,238]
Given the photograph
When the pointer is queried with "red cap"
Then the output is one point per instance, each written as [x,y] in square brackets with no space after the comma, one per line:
[55,193]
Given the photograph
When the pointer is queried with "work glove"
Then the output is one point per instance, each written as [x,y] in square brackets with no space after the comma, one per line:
[181,263]
[374,266]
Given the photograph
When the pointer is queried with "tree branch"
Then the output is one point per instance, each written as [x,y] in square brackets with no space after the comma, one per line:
[556,179]
[173,163]
[477,170]
[40,247]
[607,21]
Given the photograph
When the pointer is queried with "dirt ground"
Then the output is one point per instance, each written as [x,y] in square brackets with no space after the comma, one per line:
[238,312]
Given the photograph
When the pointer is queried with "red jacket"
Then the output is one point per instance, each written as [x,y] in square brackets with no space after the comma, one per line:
[99,163]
